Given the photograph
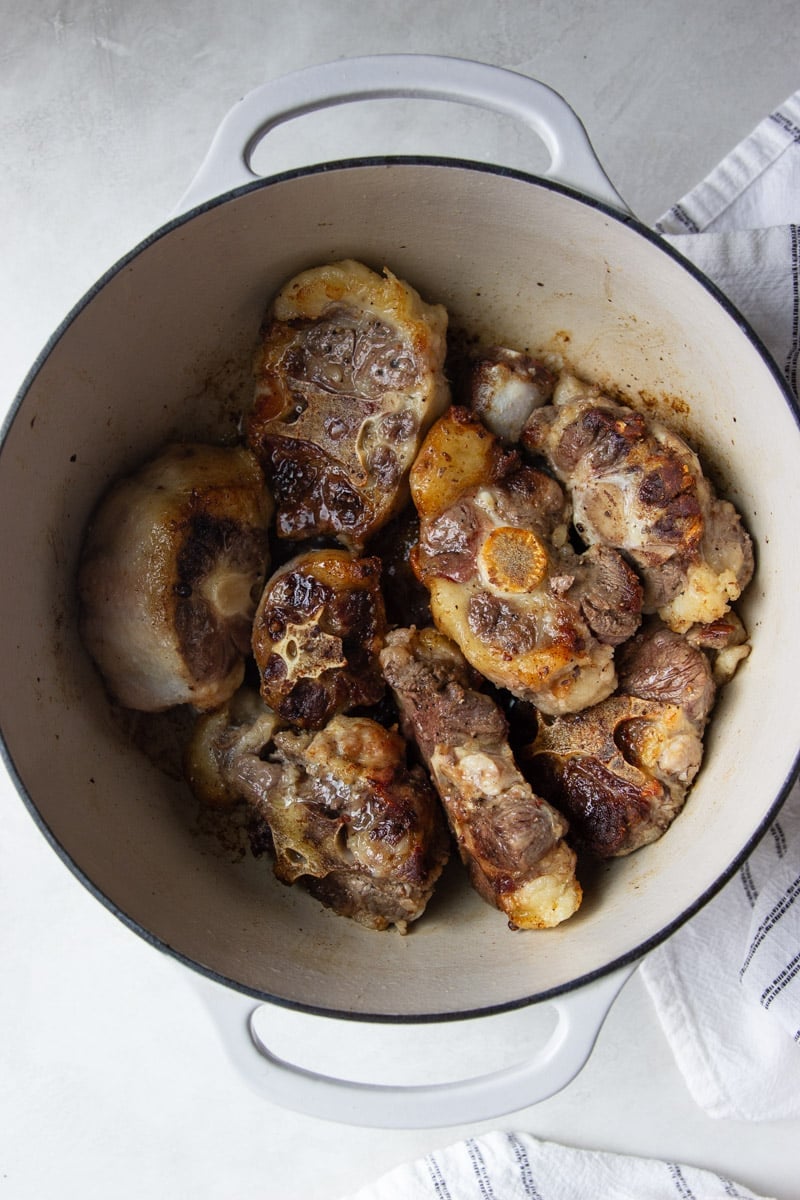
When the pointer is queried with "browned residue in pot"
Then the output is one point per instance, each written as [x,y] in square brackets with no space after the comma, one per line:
[215,403]
[664,404]
[232,833]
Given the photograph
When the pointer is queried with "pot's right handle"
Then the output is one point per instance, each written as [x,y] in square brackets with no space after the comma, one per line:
[421,76]
[580,1014]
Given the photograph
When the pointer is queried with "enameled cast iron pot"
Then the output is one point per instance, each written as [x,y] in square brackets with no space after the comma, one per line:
[161,348]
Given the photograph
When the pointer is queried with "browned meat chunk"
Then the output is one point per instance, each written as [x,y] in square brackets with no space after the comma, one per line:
[622,769]
[349,376]
[607,590]
[660,665]
[171,570]
[503,584]
[364,832]
[638,487]
[349,819]
[509,838]
[316,636]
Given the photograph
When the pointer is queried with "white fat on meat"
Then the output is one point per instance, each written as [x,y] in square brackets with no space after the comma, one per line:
[171,570]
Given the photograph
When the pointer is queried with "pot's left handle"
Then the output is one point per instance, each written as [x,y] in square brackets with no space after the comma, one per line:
[420,76]
[580,1015]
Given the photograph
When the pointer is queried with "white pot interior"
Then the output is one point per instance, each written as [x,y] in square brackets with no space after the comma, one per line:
[162,349]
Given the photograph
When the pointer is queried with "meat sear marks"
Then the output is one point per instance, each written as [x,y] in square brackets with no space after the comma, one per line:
[439,596]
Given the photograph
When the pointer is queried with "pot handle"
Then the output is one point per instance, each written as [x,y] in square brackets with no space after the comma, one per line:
[420,76]
[580,1016]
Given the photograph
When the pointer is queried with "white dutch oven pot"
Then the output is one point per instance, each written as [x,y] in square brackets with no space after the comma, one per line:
[161,348]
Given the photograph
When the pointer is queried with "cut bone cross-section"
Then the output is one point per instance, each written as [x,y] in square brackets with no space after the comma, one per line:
[316,635]
[349,377]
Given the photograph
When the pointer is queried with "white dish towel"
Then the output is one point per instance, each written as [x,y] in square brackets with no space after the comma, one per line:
[518,1166]
[726,986]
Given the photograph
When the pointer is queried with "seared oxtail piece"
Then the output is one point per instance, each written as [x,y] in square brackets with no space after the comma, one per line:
[316,635]
[526,611]
[638,487]
[222,759]
[348,378]
[621,770]
[171,570]
[510,839]
[349,819]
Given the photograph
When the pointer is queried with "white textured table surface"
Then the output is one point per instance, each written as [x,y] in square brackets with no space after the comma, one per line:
[112,1081]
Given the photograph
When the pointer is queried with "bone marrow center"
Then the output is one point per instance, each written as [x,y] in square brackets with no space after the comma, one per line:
[513,560]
